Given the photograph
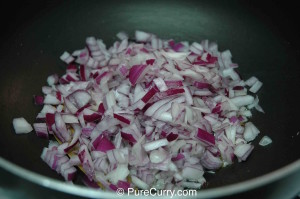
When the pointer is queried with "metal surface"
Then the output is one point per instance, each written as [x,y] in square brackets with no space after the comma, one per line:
[287,175]
[262,45]
[278,180]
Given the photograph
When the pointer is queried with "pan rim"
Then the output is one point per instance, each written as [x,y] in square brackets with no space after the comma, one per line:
[88,192]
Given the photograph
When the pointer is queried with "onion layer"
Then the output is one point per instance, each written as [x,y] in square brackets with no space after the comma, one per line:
[154,111]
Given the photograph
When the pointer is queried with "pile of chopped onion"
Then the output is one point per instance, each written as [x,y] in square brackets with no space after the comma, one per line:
[148,113]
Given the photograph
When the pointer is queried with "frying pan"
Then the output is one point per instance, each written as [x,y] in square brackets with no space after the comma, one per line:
[262,37]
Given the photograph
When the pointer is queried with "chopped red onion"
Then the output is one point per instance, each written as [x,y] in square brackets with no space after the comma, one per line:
[250,132]
[38,100]
[51,99]
[123,184]
[136,73]
[251,81]
[122,35]
[242,151]
[21,126]
[61,128]
[41,130]
[157,156]
[66,57]
[52,79]
[120,173]
[160,84]
[142,36]
[128,137]
[256,86]
[209,161]
[206,137]
[155,144]
[192,173]
[154,110]
[242,100]
[79,98]
[70,119]
[139,183]
[266,140]
[101,143]
[86,161]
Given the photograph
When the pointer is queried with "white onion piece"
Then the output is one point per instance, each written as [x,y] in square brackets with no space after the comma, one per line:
[242,151]
[191,185]
[66,57]
[122,35]
[21,126]
[176,55]
[70,106]
[155,144]
[110,100]
[47,89]
[177,145]
[80,98]
[160,83]
[139,183]
[152,109]
[51,99]
[193,173]
[196,48]
[52,79]
[242,100]
[250,132]
[164,116]
[251,81]
[159,113]
[61,127]
[120,173]
[209,161]
[256,86]
[259,108]
[142,36]
[157,156]
[266,140]
[69,118]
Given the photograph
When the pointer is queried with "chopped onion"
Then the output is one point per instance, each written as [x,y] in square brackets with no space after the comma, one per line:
[139,183]
[206,137]
[251,81]
[242,151]
[160,84]
[242,100]
[103,144]
[266,140]
[192,173]
[151,110]
[155,144]
[209,161]
[256,86]
[21,126]
[250,132]
[52,79]
[41,129]
[66,57]
[157,156]
[38,100]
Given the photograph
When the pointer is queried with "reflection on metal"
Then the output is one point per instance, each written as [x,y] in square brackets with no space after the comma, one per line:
[92,193]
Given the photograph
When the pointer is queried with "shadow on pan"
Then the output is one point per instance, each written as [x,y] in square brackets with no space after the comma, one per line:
[262,37]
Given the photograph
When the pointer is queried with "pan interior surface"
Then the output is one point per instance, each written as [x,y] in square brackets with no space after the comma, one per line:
[31,52]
